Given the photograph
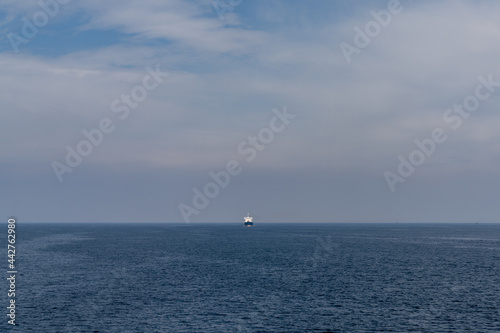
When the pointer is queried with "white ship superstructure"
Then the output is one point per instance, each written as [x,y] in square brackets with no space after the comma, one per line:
[248,220]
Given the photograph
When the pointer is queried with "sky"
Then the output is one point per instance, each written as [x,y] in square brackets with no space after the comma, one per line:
[292,111]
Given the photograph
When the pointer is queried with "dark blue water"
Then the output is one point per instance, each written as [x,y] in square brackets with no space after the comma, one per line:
[270,278]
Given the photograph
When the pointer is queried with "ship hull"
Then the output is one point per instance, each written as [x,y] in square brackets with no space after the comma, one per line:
[248,224]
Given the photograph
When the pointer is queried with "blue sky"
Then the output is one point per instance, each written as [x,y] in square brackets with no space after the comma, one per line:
[353,116]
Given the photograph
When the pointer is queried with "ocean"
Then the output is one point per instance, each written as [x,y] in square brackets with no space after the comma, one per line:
[269,278]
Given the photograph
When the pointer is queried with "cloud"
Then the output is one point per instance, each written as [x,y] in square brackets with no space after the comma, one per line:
[180,22]
[393,92]
[225,77]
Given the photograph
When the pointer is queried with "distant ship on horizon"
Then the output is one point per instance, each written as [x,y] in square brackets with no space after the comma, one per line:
[248,220]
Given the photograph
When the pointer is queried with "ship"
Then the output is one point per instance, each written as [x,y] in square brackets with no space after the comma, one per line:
[248,221]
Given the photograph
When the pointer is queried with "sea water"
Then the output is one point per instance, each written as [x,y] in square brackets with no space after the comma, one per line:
[269,278]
